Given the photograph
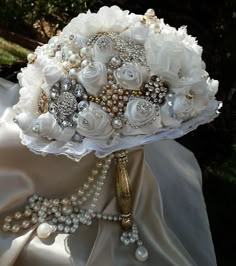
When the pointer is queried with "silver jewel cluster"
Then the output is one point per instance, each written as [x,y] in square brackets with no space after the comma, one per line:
[67,98]
[146,108]
[127,50]
[155,91]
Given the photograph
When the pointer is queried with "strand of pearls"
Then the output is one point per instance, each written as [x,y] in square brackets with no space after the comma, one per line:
[62,215]
[66,215]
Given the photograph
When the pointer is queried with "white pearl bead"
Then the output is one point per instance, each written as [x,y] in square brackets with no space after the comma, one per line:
[141,253]
[85,52]
[73,73]
[31,58]
[115,61]
[150,13]
[44,230]
[74,58]
[85,63]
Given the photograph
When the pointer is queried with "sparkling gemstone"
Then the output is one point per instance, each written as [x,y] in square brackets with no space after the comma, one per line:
[56,86]
[67,103]
[66,84]
[54,94]
[77,137]
[117,123]
[83,105]
[144,107]
[53,108]
[75,117]
[65,124]
[79,90]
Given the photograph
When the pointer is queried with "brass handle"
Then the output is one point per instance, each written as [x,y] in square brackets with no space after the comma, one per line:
[123,191]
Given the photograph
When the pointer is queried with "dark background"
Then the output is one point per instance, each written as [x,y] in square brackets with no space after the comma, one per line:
[214,144]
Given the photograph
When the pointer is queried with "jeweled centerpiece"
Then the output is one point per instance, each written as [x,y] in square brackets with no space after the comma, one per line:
[108,82]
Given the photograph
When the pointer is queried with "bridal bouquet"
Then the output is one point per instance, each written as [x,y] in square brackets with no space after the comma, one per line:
[113,80]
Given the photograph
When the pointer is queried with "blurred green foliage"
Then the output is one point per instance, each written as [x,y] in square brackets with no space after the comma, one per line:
[11,52]
[46,17]
[226,169]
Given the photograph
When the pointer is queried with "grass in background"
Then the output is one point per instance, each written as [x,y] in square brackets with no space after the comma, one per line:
[11,52]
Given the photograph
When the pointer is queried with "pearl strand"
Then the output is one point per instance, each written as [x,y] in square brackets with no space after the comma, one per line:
[65,215]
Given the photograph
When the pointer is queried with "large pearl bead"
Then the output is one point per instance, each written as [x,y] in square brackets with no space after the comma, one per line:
[31,58]
[141,254]
[85,63]
[85,52]
[116,61]
[44,230]
[73,73]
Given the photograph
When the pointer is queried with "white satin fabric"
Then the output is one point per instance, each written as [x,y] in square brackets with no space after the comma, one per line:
[169,208]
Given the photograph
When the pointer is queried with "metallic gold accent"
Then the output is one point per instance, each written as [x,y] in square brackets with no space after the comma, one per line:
[189,96]
[123,191]
[43,102]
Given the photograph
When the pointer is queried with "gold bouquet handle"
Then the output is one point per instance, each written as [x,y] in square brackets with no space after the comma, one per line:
[123,191]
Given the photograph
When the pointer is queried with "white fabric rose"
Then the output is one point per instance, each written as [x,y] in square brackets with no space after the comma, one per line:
[191,99]
[103,49]
[142,116]
[52,73]
[94,123]
[129,76]
[47,126]
[25,121]
[93,77]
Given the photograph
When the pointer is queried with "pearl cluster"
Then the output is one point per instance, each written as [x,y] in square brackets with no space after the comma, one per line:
[114,99]
[132,237]
[66,215]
